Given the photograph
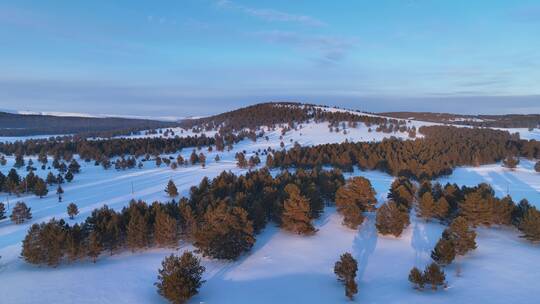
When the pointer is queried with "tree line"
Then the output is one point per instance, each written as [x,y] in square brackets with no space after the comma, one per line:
[221,216]
[438,153]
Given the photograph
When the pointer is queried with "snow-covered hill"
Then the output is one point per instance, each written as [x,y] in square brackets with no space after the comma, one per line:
[281,268]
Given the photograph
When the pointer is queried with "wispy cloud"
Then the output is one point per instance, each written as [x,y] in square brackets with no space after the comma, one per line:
[271,14]
[330,49]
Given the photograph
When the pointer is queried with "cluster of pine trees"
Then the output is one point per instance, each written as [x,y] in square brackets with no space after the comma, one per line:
[477,206]
[442,149]
[13,183]
[287,116]
[221,217]
[136,227]
[354,198]
[433,275]
[105,149]
[465,208]
[393,216]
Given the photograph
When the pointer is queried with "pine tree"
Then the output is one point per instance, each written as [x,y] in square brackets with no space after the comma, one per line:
[352,215]
[94,246]
[202,159]
[345,270]
[444,252]
[72,210]
[165,229]
[171,189]
[356,196]
[180,278]
[69,176]
[31,248]
[74,242]
[441,208]
[475,209]
[434,276]
[59,192]
[537,166]
[426,206]
[416,278]
[530,225]
[2,211]
[40,188]
[19,161]
[51,179]
[225,232]
[459,233]
[137,230]
[391,219]
[20,213]
[296,212]
[188,221]
[52,242]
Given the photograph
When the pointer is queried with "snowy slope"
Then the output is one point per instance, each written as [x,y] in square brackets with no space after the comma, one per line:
[281,268]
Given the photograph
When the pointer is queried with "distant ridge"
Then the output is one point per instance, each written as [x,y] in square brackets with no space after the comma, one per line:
[16,124]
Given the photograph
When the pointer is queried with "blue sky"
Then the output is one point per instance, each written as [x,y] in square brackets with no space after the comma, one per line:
[184,57]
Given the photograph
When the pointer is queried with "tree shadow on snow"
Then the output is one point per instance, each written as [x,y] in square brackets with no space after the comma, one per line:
[364,244]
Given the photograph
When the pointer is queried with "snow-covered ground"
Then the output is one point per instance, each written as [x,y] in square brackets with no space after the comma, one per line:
[281,268]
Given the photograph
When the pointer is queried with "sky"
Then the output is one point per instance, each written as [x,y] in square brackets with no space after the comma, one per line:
[195,57]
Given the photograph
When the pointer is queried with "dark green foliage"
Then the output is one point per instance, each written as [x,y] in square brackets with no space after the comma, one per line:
[225,232]
[20,213]
[345,270]
[391,219]
[180,278]
[296,212]
[353,198]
